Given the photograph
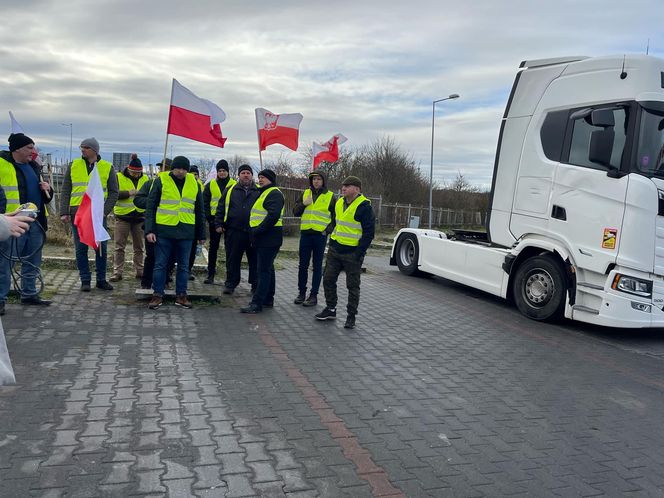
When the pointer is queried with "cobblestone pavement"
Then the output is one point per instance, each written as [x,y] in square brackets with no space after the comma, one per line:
[439,391]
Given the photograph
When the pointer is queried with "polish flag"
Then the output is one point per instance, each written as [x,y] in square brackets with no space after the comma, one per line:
[329,151]
[194,118]
[89,218]
[281,129]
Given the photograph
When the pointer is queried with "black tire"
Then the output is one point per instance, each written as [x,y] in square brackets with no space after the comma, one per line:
[540,288]
[407,254]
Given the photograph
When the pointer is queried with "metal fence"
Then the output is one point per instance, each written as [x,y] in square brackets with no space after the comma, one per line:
[388,215]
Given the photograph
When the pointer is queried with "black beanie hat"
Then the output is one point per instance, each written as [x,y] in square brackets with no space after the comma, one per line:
[245,167]
[269,174]
[222,164]
[19,140]
[180,162]
[135,164]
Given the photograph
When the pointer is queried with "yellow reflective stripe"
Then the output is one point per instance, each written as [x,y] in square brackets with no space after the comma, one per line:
[77,194]
[188,200]
[9,189]
[349,224]
[188,211]
[166,211]
[79,184]
[317,222]
[169,201]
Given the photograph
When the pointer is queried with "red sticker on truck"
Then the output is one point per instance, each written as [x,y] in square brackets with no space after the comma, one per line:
[609,238]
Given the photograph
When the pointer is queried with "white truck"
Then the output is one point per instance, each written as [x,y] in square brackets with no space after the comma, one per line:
[576,220]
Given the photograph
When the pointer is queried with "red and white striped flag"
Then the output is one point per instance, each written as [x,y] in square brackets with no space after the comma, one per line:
[89,218]
[329,151]
[281,129]
[194,118]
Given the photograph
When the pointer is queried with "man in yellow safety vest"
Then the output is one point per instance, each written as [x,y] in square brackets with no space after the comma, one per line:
[353,232]
[74,184]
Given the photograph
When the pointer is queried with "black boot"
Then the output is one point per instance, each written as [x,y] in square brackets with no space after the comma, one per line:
[300,298]
[350,322]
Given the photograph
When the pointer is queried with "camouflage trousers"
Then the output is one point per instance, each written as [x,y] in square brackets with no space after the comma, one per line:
[334,265]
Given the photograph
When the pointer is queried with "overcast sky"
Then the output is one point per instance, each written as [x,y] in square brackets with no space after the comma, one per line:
[366,69]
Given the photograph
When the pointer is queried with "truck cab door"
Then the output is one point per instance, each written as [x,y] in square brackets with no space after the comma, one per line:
[587,204]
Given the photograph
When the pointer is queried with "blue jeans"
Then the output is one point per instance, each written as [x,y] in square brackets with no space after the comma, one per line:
[162,253]
[266,278]
[29,247]
[311,245]
[82,258]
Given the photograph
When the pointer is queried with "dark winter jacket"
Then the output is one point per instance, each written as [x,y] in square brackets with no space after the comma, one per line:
[365,216]
[181,230]
[239,209]
[22,189]
[266,234]
[299,207]
[207,196]
[141,198]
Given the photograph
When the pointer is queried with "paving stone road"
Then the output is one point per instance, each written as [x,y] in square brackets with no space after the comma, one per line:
[440,391]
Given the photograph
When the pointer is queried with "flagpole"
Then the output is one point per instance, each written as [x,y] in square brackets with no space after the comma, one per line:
[258,139]
[168,127]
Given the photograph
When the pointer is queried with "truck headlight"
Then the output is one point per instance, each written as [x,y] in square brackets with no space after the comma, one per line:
[632,285]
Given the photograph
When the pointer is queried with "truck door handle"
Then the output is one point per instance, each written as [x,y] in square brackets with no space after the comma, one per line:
[559,213]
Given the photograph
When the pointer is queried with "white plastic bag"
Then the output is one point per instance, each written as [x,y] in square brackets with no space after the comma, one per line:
[6,370]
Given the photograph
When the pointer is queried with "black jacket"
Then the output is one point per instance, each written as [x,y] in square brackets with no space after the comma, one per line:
[141,199]
[365,216]
[181,230]
[266,234]
[23,189]
[239,209]
[299,207]
[207,196]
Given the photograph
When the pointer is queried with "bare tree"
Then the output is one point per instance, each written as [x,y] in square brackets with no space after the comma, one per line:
[235,162]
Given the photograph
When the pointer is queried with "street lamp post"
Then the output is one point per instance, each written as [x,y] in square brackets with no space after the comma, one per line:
[71,137]
[433,118]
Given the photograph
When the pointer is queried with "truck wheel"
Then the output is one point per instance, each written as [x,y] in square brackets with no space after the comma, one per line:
[407,254]
[539,288]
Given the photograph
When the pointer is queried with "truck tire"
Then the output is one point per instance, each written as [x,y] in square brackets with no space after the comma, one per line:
[540,288]
[408,254]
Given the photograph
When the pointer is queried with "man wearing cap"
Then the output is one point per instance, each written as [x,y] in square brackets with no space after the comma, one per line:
[20,179]
[316,207]
[128,218]
[353,232]
[74,184]
[174,220]
[266,235]
[211,197]
[232,219]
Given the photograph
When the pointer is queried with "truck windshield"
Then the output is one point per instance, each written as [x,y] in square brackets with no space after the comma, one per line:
[650,153]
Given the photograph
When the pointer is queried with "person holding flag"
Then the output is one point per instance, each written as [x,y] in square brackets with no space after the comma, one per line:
[74,186]
[316,207]
[20,179]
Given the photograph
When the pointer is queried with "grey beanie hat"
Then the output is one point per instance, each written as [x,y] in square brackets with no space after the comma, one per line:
[92,143]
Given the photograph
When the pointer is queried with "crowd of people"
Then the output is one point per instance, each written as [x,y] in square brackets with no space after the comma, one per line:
[168,218]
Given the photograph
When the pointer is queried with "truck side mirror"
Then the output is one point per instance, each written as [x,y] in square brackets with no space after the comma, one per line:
[602,117]
[601,146]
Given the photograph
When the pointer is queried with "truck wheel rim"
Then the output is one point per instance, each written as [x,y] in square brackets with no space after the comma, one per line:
[407,252]
[539,288]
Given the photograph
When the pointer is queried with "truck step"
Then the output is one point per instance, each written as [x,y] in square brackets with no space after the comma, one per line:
[585,309]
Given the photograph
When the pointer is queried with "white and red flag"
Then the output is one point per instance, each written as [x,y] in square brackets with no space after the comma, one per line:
[195,118]
[17,128]
[329,151]
[281,129]
[89,218]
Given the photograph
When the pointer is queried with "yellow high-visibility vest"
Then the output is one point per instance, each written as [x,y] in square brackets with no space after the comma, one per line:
[174,207]
[80,178]
[347,231]
[258,212]
[9,184]
[126,206]
[316,216]
[215,194]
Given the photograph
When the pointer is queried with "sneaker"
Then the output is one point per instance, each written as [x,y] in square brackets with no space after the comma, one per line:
[115,278]
[104,285]
[209,280]
[228,290]
[251,308]
[85,286]
[155,302]
[299,299]
[327,314]
[312,300]
[183,300]
[350,322]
